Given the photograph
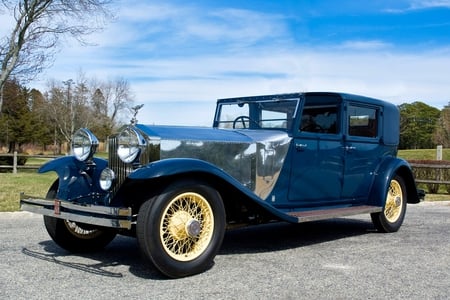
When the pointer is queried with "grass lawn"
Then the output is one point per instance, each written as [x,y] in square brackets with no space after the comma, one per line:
[30,183]
[429,154]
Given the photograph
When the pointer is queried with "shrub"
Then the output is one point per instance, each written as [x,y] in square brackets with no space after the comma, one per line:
[9,161]
[429,173]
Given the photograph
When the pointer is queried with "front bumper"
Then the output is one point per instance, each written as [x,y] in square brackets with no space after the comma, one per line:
[115,217]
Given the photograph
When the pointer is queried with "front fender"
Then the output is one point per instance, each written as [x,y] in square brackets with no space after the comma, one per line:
[179,166]
[60,164]
[384,174]
[77,180]
[174,166]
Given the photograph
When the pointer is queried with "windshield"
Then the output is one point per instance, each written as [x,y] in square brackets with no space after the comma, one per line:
[264,114]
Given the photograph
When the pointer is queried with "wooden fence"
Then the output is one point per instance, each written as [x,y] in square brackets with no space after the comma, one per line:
[432,174]
[437,173]
[15,166]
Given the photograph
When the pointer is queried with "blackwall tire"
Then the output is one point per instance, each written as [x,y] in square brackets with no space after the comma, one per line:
[73,236]
[393,214]
[181,230]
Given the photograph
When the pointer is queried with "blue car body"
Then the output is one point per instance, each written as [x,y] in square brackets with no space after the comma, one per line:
[290,157]
[279,169]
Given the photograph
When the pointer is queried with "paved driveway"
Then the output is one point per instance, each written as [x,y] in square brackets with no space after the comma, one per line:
[335,259]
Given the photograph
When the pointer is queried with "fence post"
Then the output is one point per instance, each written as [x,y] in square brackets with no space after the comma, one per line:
[439,152]
[15,163]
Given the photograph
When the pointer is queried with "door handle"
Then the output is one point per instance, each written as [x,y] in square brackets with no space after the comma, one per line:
[300,147]
[349,148]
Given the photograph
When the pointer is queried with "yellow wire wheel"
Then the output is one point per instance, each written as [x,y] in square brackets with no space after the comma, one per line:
[73,236]
[391,218]
[80,232]
[180,230]
[394,202]
[187,226]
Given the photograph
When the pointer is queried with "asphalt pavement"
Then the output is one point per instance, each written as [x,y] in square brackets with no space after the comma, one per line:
[334,259]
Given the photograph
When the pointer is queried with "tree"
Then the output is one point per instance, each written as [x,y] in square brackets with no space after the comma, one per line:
[67,107]
[39,25]
[417,124]
[16,122]
[43,133]
[118,97]
[441,134]
[87,103]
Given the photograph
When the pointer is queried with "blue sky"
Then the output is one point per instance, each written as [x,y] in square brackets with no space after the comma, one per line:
[180,56]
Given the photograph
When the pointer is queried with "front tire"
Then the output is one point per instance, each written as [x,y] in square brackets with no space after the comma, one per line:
[73,236]
[391,218]
[181,230]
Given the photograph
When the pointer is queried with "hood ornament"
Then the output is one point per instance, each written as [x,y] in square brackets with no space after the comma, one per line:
[136,110]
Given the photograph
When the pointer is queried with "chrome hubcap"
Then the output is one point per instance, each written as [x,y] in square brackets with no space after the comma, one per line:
[193,228]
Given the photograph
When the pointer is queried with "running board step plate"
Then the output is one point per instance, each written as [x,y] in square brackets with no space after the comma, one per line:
[314,215]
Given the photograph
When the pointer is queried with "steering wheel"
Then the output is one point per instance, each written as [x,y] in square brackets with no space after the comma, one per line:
[313,128]
[243,119]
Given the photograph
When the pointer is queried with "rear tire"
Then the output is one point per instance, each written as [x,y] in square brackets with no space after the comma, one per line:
[391,218]
[73,236]
[181,230]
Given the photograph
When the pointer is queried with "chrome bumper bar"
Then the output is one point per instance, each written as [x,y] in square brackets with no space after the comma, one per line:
[115,217]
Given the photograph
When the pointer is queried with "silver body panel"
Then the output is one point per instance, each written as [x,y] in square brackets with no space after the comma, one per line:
[253,157]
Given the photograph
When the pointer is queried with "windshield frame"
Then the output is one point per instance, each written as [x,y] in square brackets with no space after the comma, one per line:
[276,112]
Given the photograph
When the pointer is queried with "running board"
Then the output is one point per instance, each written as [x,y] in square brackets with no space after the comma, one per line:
[314,215]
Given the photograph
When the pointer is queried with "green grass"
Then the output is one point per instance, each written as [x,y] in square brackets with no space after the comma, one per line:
[429,154]
[27,181]
[30,183]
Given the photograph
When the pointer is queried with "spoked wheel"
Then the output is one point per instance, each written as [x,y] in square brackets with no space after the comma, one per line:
[73,236]
[391,218]
[182,229]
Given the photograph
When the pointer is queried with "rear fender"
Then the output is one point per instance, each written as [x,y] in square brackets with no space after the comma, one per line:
[77,180]
[384,174]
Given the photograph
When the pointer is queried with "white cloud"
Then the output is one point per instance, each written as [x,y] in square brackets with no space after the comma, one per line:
[365,45]
[397,77]
[412,5]
[172,54]
[424,4]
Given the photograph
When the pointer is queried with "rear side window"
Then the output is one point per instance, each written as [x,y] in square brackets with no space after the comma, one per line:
[321,119]
[362,121]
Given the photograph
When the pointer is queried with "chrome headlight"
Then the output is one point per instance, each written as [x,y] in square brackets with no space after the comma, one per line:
[130,143]
[107,177]
[84,144]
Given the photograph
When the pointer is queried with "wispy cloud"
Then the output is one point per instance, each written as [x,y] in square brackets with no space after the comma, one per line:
[414,5]
[362,45]
[425,4]
[178,54]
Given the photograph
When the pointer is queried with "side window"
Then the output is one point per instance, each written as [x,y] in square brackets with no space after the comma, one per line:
[320,119]
[362,121]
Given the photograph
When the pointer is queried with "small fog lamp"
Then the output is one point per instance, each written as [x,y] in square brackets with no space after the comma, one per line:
[107,177]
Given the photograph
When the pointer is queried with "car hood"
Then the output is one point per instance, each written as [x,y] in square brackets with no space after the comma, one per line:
[207,134]
[253,157]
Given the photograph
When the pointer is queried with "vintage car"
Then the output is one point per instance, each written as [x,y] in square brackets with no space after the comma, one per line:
[291,157]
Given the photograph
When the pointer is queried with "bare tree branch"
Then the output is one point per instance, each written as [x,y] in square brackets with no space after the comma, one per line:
[39,26]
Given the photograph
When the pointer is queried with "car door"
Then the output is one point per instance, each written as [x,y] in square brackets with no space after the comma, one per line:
[362,149]
[318,153]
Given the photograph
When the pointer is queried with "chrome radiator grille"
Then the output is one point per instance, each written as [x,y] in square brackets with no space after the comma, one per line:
[150,153]
[120,168]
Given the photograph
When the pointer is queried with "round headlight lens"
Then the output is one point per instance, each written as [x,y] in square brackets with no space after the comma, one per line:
[107,177]
[84,144]
[130,143]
